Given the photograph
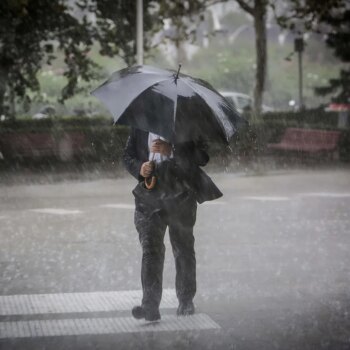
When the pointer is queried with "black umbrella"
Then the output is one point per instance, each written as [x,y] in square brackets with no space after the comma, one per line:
[174,105]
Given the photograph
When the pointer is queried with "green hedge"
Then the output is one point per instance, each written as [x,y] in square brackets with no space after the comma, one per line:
[107,140]
[344,146]
[313,118]
[104,140]
[252,141]
[47,124]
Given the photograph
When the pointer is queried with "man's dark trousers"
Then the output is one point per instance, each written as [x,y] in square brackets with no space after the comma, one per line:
[179,215]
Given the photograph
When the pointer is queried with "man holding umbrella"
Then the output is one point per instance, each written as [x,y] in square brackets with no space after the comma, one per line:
[170,115]
[173,204]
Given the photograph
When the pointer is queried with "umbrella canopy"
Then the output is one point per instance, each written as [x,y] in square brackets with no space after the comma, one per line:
[173,105]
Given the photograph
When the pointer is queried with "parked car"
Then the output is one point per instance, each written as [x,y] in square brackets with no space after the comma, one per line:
[242,102]
[45,112]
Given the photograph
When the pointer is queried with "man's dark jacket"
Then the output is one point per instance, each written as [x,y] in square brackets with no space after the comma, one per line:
[188,158]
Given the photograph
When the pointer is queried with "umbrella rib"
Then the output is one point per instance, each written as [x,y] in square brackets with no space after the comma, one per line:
[175,107]
[142,91]
[200,95]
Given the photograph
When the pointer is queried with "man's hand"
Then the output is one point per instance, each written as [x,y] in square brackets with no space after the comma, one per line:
[146,169]
[162,147]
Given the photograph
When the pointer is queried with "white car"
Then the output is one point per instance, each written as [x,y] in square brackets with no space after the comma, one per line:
[241,101]
[45,112]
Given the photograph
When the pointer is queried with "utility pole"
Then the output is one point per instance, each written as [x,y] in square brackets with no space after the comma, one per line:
[139,32]
[299,48]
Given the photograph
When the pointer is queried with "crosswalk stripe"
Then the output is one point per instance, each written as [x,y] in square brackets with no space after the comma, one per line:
[32,304]
[215,203]
[95,326]
[56,211]
[325,195]
[118,206]
[266,198]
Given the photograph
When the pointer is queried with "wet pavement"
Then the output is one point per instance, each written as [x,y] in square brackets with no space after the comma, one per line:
[273,266]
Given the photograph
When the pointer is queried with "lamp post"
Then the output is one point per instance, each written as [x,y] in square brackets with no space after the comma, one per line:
[299,48]
[139,32]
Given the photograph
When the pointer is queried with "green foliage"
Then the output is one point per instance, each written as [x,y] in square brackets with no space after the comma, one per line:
[116,26]
[33,32]
[30,30]
[183,17]
[67,123]
[225,68]
[105,141]
[313,118]
[303,16]
[232,67]
[330,17]
[344,146]
[338,39]
[251,141]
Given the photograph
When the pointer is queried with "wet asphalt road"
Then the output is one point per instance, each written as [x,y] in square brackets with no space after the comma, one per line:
[273,262]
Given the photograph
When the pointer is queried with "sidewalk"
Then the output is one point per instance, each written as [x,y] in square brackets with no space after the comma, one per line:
[273,257]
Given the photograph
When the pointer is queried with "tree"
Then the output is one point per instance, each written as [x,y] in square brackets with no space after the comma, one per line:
[116,29]
[305,15]
[298,15]
[338,39]
[183,17]
[258,10]
[30,30]
[33,31]
[331,18]
[116,26]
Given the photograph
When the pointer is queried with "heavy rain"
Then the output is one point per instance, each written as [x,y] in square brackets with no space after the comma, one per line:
[174,174]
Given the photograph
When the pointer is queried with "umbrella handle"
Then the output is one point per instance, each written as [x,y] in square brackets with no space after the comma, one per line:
[150,185]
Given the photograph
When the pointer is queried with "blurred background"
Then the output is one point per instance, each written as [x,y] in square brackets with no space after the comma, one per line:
[283,64]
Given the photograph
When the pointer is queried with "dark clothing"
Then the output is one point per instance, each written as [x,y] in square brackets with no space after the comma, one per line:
[151,226]
[172,203]
[188,157]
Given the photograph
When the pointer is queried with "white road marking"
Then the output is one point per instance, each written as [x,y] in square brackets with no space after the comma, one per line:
[31,304]
[215,203]
[118,206]
[325,194]
[56,211]
[111,325]
[45,304]
[266,198]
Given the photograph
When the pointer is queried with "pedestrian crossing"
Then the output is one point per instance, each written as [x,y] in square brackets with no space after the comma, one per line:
[107,325]
[31,304]
[326,195]
[266,198]
[47,315]
[56,211]
[118,206]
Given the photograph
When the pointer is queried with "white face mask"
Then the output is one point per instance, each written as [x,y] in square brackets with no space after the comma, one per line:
[157,157]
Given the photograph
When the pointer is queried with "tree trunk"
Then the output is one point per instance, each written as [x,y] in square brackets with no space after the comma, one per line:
[261,54]
[12,103]
[3,83]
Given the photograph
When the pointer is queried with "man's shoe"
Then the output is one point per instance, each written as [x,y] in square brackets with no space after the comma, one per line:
[149,315]
[186,308]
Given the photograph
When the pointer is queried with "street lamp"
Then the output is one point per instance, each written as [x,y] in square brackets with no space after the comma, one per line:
[299,48]
[139,32]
